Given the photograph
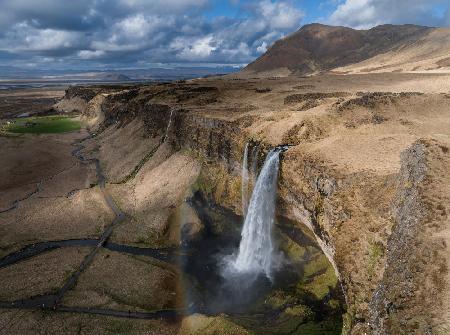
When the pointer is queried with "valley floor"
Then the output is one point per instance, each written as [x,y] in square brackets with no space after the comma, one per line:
[55,214]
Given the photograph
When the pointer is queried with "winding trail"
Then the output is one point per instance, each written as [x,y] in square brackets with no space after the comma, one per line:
[39,184]
[52,301]
[119,217]
[28,196]
[45,302]
[167,255]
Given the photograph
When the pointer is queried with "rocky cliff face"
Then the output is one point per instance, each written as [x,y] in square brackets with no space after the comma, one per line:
[416,256]
[357,174]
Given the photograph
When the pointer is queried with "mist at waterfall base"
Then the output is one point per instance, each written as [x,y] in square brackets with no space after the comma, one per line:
[235,268]
[208,288]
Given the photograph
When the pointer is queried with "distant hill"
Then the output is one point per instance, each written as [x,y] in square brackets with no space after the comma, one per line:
[111,75]
[317,48]
[103,76]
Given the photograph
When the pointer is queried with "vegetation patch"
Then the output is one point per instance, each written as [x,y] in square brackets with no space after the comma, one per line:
[319,278]
[215,183]
[376,253]
[198,324]
[326,327]
[43,125]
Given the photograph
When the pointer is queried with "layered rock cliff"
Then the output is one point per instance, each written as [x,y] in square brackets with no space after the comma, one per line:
[364,173]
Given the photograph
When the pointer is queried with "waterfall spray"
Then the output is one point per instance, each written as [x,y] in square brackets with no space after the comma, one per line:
[256,247]
[244,187]
[168,126]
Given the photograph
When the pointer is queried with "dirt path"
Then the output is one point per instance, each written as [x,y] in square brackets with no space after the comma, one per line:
[119,217]
[52,301]
[17,202]
[167,255]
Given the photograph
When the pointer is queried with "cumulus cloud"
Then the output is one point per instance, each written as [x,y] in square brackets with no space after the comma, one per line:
[262,48]
[280,15]
[32,39]
[137,31]
[368,13]
[71,15]
[196,49]
[90,54]
[243,40]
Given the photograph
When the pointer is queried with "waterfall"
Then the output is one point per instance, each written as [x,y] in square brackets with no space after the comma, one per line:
[255,152]
[244,186]
[168,126]
[256,248]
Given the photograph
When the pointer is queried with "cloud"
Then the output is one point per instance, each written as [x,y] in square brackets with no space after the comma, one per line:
[90,54]
[163,6]
[280,15]
[368,13]
[262,48]
[132,32]
[70,15]
[136,32]
[194,50]
[245,39]
[23,37]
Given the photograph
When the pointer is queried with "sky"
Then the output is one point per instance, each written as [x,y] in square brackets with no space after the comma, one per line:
[115,34]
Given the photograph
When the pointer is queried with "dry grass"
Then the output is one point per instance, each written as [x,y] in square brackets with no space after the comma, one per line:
[43,274]
[22,322]
[125,282]
[83,215]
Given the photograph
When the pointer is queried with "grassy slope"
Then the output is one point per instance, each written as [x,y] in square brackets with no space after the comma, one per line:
[44,125]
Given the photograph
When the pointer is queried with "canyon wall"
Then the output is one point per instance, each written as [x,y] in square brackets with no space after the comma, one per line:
[359,175]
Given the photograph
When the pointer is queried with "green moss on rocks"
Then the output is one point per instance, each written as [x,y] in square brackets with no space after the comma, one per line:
[319,277]
[292,250]
[199,324]
[347,322]
[222,187]
[327,327]
[292,318]
[376,253]
[278,299]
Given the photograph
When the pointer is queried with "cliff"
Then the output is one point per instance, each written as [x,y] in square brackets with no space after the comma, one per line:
[365,173]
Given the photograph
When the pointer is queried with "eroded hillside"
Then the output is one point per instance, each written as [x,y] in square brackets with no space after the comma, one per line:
[318,48]
[365,171]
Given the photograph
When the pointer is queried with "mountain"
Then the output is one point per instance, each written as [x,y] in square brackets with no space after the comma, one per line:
[317,48]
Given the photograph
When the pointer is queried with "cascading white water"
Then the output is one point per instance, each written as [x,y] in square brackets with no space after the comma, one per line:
[244,184]
[256,247]
[168,126]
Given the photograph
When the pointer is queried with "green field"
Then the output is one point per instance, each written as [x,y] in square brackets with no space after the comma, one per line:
[43,125]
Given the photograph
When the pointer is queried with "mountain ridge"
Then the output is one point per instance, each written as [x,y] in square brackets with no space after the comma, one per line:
[316,48]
